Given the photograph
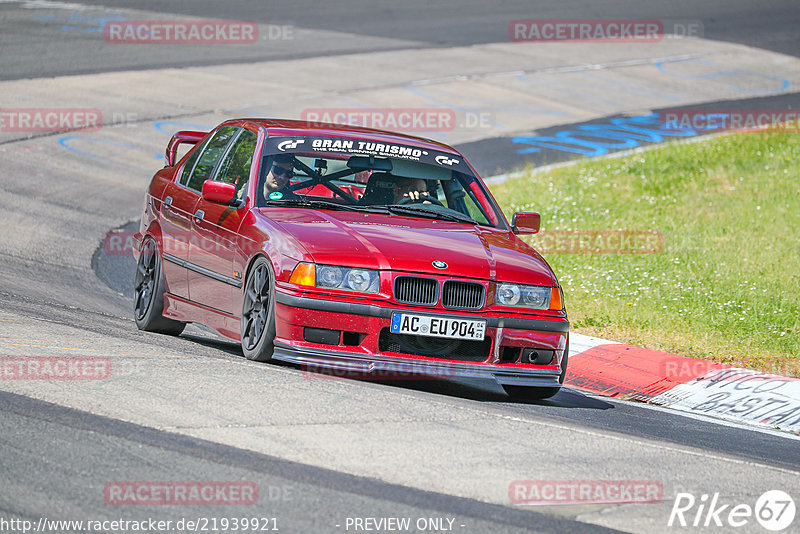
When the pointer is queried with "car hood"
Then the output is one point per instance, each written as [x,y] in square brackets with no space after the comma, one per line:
[400,243]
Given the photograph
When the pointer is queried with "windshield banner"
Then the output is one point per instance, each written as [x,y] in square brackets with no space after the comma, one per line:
[363,147]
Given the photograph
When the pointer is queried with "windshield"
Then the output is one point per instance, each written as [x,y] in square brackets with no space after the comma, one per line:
[403,185]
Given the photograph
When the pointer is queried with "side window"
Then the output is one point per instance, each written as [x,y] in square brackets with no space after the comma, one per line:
[235,168]
[465,200]
[189,165]
[209,157]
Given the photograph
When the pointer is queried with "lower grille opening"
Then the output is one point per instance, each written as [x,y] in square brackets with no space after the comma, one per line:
[321,335]
[451,349]
[510,354]
[352,339]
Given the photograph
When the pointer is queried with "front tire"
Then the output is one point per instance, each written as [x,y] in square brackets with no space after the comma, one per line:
[258,312]
[526,393]
[148,300]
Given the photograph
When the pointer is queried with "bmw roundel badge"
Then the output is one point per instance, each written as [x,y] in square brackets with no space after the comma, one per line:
[439,264]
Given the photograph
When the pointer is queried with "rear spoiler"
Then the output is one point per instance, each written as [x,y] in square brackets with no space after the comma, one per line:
[185,136]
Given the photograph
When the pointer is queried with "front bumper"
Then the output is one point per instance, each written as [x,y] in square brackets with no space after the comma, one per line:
[348,364]
[295,313]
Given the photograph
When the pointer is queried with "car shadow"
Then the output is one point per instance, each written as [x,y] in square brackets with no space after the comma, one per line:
[490,392]
[229,347]
[471,389]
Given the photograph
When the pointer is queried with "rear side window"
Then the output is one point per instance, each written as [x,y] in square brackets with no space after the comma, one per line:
[209,156]
[235,168]
[189,165]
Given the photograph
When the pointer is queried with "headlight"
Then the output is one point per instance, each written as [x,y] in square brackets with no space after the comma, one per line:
[328,276]
[507,294]
[361,280]
[535,297]
[348,279]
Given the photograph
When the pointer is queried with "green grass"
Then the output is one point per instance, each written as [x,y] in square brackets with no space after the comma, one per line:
[726,285]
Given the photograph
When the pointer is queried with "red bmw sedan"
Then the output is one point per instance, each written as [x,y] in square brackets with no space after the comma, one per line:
[345,248]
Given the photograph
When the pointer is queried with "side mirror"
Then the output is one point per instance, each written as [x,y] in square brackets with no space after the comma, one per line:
[218,192]
[525,223]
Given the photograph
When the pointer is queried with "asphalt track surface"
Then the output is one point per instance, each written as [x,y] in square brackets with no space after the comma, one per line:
[131,452]
[498,155]
[56,459]
[416,23]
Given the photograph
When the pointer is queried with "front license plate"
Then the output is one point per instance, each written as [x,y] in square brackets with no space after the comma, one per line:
[425,325]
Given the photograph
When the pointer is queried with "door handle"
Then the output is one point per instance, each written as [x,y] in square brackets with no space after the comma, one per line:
[198,215]
[168,202]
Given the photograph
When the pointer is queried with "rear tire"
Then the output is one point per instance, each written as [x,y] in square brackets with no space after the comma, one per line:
[527,393]
[148,300]
[258,312]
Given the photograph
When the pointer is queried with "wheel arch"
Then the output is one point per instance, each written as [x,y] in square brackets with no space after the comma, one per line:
[237,303]
[252,262]
[154,231]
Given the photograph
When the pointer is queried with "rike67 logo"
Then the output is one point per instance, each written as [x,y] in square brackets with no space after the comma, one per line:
[774,510]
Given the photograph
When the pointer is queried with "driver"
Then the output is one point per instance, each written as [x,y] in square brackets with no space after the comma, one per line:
[412,188]
[276,184]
